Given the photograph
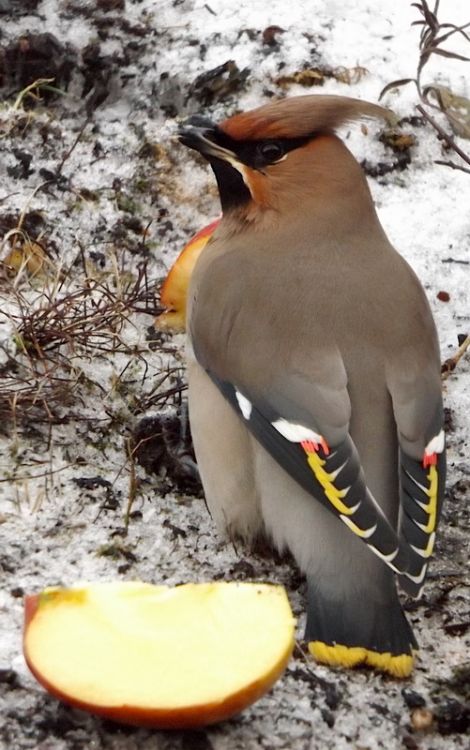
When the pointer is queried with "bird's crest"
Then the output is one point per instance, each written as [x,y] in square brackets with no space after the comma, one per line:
[301,116]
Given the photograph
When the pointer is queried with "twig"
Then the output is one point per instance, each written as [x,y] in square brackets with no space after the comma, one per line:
[72,147]
[445,136]
[451,363]
[132,482]
[35,476]
[452,165]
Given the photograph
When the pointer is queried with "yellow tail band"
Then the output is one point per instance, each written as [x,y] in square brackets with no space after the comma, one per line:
[353,656]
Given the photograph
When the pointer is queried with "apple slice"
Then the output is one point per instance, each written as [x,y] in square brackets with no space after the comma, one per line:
[175,287]
[157,656]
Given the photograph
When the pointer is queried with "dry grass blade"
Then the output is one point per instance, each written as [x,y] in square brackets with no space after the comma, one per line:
[433,34]
[447,53]
[446,138]
[33,90]
[429,44]
[395,85]
[52,332]
[91,317]
[454,30]
[158,398]
[450,364]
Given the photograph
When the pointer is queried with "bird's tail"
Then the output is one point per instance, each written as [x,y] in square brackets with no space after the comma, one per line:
[360,630]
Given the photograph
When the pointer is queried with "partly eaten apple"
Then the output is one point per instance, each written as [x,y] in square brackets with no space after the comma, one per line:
[157,656]
[174,291]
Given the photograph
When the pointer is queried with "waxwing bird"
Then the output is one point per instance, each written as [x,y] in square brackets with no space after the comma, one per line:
[314,385]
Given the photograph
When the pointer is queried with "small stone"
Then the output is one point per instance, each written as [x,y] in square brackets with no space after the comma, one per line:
[412,698]
[453,717]
[10,678]
[421,719]
[443,296]
[409,742]
[270,35]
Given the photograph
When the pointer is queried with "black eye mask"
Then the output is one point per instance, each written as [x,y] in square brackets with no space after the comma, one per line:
[201,135]
[262,153]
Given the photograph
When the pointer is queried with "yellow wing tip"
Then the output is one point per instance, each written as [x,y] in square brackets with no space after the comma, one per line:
[346,656]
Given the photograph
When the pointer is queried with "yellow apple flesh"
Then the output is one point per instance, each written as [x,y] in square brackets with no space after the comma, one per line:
[156,656]
[174,291]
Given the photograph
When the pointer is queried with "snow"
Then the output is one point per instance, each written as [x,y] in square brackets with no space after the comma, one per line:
[55,532]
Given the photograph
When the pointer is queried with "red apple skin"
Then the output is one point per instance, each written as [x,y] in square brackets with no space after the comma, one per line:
[31,604]
[185,717]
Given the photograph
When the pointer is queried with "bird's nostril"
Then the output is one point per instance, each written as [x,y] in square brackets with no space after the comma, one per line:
[197,121]
[196,132]
[191,137]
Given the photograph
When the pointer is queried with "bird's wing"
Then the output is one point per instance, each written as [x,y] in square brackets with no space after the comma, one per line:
[329,470]
[298,408]
[417,403]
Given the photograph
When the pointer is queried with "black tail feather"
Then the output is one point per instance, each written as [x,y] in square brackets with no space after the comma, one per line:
[362,620]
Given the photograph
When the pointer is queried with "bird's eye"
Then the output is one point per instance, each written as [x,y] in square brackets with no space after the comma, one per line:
[271,151]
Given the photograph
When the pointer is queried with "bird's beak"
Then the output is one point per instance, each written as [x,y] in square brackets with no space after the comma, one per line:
[200,134]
